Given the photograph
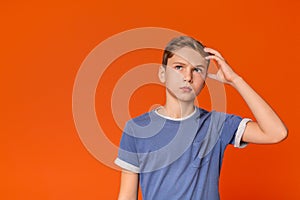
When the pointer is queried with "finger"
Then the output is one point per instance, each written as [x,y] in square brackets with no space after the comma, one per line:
[219,60]
[212,76]
[212,51]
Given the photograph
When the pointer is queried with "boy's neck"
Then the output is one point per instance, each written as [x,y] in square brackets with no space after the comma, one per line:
[178,109]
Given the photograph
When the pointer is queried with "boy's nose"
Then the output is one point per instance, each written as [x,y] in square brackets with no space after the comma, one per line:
[188,76]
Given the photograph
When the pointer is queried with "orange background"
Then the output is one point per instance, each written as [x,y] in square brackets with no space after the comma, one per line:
[44,43]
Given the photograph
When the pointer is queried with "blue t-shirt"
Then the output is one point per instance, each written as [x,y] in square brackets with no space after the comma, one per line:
[179,158]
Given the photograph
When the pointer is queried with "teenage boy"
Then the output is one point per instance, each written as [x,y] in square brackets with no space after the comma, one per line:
[175,151]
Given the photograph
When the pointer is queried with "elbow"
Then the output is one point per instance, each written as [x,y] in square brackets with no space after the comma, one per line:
[280,136]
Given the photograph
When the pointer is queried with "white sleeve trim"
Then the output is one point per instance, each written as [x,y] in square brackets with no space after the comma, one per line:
[127,166]
[239,134]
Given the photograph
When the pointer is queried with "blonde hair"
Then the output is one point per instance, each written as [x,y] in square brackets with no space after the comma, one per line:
[180,42]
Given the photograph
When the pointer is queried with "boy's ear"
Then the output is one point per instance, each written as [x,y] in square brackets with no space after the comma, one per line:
[162,74]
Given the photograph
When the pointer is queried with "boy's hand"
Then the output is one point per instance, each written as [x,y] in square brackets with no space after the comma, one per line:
[225,73]
[269,128]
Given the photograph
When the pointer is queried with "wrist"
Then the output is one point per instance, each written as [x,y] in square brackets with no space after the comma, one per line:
[236,80]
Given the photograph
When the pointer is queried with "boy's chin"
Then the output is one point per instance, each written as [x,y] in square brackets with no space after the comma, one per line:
[182,97]
[191,100]
[187,98]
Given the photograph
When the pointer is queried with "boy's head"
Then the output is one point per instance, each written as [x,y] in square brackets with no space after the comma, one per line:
[184,68]
[179,43]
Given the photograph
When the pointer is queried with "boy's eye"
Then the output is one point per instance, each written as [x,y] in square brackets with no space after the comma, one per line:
[178,67]
[198,70]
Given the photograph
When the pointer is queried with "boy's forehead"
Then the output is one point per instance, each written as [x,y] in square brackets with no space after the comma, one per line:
[191,56]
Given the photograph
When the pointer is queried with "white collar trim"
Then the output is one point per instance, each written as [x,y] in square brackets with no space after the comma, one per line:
[175,119]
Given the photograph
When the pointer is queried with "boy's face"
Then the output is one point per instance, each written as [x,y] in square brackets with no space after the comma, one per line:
[185,74]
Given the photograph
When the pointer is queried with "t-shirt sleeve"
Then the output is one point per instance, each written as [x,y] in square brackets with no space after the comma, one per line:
[233,130]
[127,154]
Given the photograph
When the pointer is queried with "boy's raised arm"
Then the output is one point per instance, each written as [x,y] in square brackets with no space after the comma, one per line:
[129,186]
[268,128]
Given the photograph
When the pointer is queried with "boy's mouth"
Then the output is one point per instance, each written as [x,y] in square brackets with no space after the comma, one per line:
[186,89]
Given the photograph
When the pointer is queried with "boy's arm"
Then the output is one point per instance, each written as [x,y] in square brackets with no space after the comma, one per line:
[268,128]
[129,186]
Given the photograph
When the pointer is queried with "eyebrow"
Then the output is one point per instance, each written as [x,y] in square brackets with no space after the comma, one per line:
[200,66]
[181,63]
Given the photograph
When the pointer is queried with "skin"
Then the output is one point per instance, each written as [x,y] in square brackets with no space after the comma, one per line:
[184,78]
[183,69]
[129,186]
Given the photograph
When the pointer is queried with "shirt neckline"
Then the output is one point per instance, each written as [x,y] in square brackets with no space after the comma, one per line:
[175,119]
